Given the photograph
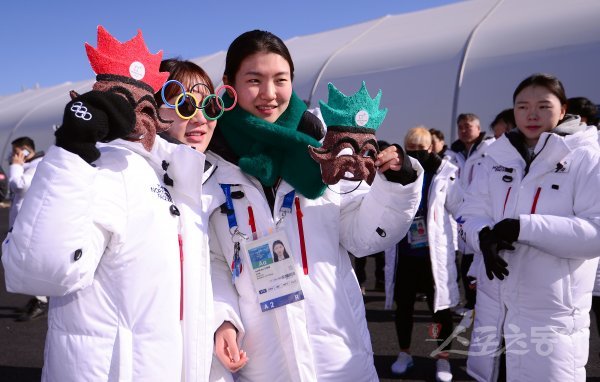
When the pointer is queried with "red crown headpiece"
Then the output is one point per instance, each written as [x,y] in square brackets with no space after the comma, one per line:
[130,59]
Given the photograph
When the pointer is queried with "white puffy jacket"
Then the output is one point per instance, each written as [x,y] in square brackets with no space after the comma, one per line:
[542,307]
[19,181]
[444,199]
[467,166]
[103,243]
[325,336]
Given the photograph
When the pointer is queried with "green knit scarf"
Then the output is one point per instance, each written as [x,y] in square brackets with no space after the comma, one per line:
[271,150]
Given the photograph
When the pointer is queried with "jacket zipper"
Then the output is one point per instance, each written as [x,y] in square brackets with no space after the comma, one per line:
[181,276]
[506,200]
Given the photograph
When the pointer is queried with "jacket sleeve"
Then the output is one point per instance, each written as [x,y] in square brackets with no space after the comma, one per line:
[225,295]
[55,245]
[375,219]
[454,196]
[575,236]
[17,180]
[475,212]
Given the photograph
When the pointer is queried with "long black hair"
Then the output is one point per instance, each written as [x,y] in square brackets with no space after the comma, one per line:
[250,43]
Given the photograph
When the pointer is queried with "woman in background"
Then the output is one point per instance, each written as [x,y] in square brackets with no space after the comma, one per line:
[534,214]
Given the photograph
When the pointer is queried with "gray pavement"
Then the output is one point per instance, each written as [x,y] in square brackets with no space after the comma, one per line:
[22,344]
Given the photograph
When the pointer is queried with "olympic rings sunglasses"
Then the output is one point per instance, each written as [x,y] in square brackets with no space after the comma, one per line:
[187,105]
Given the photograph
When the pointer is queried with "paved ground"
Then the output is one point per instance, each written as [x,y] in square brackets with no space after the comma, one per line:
[22,344]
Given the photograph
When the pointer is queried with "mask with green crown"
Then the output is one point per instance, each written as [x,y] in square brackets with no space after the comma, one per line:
[349,148]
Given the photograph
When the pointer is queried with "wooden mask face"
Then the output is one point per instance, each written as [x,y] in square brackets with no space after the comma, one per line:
[347,154]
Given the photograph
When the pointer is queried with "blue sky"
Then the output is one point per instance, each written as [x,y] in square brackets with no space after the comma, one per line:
[42,40]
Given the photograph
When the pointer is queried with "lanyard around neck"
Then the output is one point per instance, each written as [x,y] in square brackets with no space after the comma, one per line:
[286,207]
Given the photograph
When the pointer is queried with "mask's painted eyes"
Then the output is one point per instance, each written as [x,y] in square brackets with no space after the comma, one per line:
[148,111]
[345,151]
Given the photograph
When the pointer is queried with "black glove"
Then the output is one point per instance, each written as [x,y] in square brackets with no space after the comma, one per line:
[92,117]
[490,245]
[406,174]
[507,230]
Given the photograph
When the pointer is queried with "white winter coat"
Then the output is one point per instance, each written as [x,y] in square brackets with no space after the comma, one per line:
[324,337]
[103,243]
[543,305]
[467,166]
[444,199]
[19,181]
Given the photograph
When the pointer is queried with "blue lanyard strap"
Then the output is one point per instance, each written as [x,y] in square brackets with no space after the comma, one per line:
[424,190]
[288,201]
[230,210]
[286,206]
[236,264]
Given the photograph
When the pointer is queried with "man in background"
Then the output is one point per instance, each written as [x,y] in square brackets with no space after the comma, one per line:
[584,108]
[23,163]
[465,153]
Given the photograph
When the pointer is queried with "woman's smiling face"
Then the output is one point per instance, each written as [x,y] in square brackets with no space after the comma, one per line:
[264,85]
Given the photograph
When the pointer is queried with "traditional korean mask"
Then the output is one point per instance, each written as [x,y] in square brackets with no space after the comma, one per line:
[130,70]
[350,148]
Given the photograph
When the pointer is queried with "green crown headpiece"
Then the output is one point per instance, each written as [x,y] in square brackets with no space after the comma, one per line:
[358,110]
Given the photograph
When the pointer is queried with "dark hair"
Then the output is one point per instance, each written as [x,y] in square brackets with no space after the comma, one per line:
[466,117]
[507,116]
[548,81]
[583,107]
[285,254]
[23,141]
[252,42]
[438,134]
[184,72]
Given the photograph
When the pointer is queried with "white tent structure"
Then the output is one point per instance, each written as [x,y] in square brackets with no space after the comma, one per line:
[431,64]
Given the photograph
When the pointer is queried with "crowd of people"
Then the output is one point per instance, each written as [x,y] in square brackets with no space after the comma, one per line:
[204,243]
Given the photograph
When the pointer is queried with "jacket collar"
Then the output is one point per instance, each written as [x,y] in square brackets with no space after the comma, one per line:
[229,173]
[184,165]
[459,147]
[550,149]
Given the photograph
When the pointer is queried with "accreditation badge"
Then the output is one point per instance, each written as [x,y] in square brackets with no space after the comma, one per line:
[417,234]
[273,271]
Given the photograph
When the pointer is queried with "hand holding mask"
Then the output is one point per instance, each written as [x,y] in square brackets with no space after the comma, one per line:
[350,149]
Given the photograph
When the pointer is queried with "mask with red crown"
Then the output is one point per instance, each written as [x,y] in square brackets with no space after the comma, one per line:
[128,69]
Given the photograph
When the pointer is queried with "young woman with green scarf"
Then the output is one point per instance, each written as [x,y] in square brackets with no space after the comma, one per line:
[303,318]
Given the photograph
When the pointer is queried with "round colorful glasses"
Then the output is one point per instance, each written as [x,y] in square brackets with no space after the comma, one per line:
[186,105]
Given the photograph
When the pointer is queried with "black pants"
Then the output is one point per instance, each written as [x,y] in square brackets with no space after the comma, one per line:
[596,310]
[413,274]
[470,293]
[361,262]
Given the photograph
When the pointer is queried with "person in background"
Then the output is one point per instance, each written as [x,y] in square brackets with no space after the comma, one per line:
[264,166]
[23,164]
[426,255]
[438,142]
[465,153]
[585,109]
[360,264]
[533,214]
[596,299]
[503,122]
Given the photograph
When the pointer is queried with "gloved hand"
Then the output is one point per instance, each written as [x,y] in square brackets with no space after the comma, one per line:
[507,230]
[92,117]
[490,245]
